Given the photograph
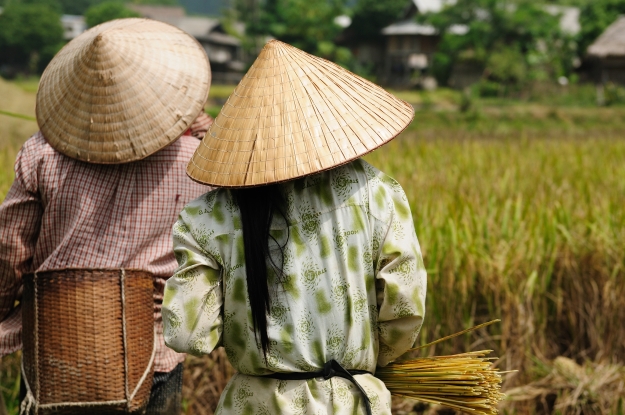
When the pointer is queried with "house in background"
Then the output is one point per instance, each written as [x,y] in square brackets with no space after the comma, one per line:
[407,47]
[224,50]
[73,26]
[607,55]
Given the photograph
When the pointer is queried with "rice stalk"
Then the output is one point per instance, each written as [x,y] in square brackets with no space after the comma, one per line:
[465,382]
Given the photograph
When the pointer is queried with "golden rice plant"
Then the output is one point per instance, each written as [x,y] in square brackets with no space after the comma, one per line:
[465,382]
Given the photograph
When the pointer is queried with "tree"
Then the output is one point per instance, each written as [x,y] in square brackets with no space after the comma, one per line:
[306,24]
[106,11]
[158,2]
[371,16]
[53,5]
[79,7]
[509,40]
[30,35]
[594,18]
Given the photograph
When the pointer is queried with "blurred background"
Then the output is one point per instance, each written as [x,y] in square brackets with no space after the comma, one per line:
[514,164]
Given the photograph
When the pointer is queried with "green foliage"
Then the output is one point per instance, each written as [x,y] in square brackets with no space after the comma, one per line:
[30,35]
[594,18]
[371,16]
[306,24]
[506,65]
[510,41]
[77,7]
[106,11]
[613,94]
[53,5]
[157,2]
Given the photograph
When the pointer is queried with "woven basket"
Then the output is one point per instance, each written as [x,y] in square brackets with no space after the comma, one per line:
[88,341]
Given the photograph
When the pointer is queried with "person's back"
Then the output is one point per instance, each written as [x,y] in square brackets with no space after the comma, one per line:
[98,188]
[63,213]
[100,216]
[307,269]
[352,289]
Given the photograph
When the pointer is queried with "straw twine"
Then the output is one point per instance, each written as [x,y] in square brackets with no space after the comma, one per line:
[122,91]
[294,114]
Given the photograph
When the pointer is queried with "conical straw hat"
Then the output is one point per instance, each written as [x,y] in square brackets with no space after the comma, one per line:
[122,91]
[294,114]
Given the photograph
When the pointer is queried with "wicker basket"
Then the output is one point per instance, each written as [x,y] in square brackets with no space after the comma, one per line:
[88,341]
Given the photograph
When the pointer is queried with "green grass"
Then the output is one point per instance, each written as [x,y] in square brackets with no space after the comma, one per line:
[520,217]
[519,209]
[505,224]
[27,84]
[221,92]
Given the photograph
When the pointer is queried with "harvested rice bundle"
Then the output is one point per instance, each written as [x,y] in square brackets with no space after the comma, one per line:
[466,382]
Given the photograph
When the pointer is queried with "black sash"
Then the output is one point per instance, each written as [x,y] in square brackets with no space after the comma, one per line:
[330,369]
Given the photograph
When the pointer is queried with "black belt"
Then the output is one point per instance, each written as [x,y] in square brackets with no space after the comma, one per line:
[330,369]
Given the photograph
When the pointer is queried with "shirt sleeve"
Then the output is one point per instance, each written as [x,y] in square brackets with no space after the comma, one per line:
[20,219]
[192,320]
[400,277]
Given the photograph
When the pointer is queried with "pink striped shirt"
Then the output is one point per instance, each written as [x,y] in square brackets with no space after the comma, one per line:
[62,213]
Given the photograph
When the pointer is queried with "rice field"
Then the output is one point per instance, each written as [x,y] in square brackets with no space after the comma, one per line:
[519,209]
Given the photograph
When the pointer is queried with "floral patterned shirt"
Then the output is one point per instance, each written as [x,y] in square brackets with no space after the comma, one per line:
[353,290]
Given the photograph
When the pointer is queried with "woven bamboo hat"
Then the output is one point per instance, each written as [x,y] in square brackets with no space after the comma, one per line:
[122,91]
[294,114]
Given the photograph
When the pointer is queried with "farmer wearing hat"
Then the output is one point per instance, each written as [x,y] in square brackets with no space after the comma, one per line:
[304,265]
[102,182]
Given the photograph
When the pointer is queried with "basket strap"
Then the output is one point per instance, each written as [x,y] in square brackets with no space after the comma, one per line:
[148,369]
[122,280]
[29,403]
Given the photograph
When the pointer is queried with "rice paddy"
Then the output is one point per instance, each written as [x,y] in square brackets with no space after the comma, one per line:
[519,209]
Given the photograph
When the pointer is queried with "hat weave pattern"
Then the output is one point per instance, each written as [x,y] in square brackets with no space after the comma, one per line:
[122,91]
[295,114]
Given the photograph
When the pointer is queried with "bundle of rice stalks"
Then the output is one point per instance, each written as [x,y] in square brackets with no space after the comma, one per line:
[465,382]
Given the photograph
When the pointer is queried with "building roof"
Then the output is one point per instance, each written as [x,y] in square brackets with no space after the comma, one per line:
[221,38]
[433,6]
[410,27]
[201,28]
[167,14]
[611,42]
[197,26]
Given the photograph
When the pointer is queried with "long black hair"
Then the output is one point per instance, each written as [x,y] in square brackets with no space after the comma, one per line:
[258,206]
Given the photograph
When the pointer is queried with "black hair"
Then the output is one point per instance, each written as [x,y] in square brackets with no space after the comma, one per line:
[258,206]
